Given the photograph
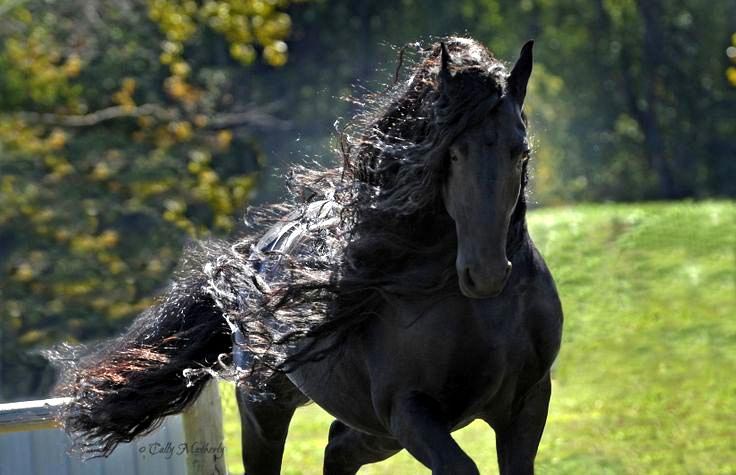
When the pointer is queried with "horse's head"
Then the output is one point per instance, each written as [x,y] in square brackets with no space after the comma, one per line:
[485,173]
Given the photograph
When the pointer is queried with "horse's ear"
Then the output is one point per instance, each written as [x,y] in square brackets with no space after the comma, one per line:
[444,75]
[519,77]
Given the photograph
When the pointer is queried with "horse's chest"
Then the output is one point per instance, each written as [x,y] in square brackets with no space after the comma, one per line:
[464,358]
[454,353]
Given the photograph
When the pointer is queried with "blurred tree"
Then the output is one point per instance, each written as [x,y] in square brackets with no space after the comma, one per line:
[122,132]
[617,97]
[621,117]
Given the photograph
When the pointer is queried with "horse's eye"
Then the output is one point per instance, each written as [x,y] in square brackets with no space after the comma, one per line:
[453,157]
[525,155]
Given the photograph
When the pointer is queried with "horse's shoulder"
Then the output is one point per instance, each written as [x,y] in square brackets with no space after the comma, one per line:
[541,287]
[542,309]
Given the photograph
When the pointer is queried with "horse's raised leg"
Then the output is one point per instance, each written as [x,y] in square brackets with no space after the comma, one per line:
[349,449]
[518,440]
[264,426]
[419,426]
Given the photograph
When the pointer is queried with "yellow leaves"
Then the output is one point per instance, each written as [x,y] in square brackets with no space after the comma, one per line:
[180,221]
[82,244]
[16,134]
[24,272]
[128,86]
[731,53]
[194,167]
[114,264]
[42,216]
[36,66]
[208,177]
[244,53]
[109,238]
[241,22]
[223,139]
[182,130]
[166,58]
[56,140]
[88,243]
[145,121]
[165,185]
[73,65]
[279,26]
[176,23]
[173,48]
[117,310]
[101,171]
[174,213]
[58,166]
[147,189]
[275,53]
[74,289]
[176,87]
[32,337]
[200,120]
[31,267]
[180,90]
[154,266]
[62,235]
[224,222]
[176,207]
[124,96]
[7,185]
[731,75]
[111,161]
[180,68]
[241,187]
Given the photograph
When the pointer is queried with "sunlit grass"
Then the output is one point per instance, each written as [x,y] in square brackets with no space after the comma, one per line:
[646,380]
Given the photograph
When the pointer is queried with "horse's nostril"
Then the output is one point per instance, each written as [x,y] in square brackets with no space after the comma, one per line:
[469,278]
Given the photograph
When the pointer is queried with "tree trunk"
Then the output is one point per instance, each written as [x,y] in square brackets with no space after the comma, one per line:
[646,110]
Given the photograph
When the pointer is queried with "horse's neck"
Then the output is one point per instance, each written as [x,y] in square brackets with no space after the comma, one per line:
[518,235]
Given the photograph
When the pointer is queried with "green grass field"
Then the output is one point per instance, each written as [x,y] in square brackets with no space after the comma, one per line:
[646,379]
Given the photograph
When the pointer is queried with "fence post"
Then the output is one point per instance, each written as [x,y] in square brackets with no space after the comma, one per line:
[203,434]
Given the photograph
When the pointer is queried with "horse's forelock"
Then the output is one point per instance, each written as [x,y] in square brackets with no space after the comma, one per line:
[405,139]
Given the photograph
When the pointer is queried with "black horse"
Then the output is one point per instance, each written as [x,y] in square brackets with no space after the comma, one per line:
[401,292]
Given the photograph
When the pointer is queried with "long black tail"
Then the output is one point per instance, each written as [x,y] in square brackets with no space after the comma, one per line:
[126,386]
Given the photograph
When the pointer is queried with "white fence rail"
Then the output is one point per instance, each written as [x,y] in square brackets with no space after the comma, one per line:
[186,444]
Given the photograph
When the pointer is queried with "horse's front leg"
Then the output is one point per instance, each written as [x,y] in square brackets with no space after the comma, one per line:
[518,439]
[349,449]
[418,424]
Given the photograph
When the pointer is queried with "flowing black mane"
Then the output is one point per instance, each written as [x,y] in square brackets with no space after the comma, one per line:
[363,233]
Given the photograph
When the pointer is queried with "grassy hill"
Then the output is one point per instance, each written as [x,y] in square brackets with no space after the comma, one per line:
[646,379]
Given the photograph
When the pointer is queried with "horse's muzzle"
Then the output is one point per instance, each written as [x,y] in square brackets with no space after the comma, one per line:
[483,285]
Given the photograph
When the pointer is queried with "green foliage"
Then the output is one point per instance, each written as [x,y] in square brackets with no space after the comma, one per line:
[643,383]
[120,138]
[628,100]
